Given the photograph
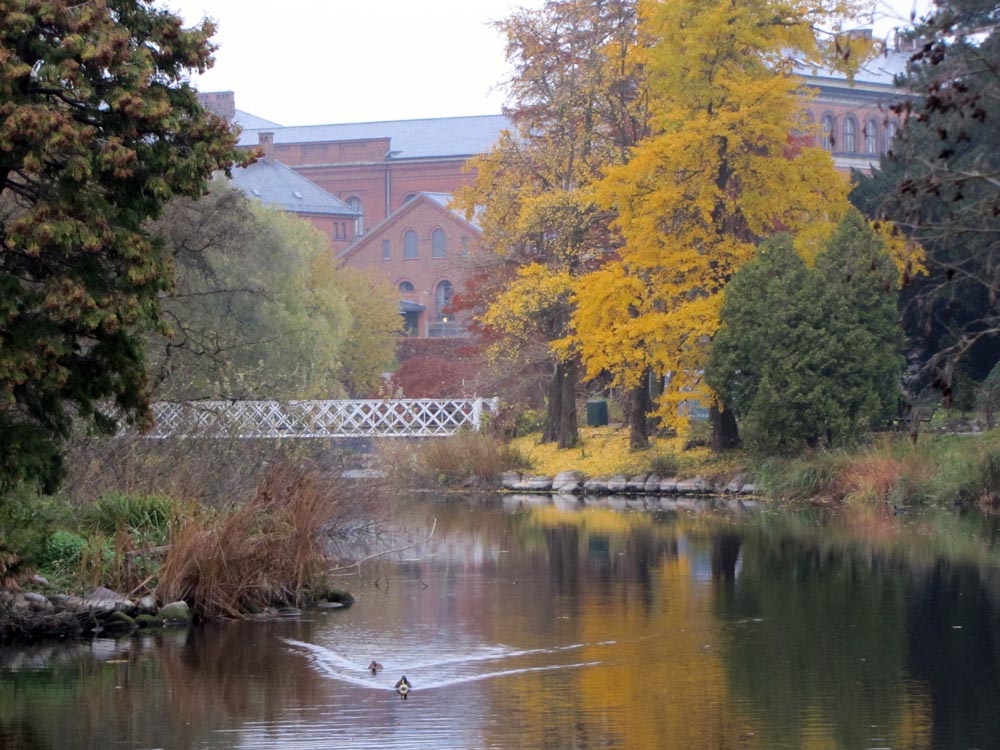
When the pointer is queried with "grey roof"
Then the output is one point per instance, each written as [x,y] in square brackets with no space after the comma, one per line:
[443,199]
[284,188]
[408,139]
[880,71]
[407,306]
[248,121]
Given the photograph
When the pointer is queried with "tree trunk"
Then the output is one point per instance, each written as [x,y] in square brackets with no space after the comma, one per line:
[553,406]
[638,405]
[569,434]
[725,433]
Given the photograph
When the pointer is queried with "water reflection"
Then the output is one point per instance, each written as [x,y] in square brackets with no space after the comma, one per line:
[527,623]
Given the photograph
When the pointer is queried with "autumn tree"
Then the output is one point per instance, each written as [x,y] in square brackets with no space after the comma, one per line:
[718,173]
[260,308]
[577,104]
[98,130]
[810,356]
[940,182]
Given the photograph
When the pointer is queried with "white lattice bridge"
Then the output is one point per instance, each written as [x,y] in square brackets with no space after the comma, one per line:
[320,419]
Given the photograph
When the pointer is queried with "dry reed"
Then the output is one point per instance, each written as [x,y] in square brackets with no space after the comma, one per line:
[265,553]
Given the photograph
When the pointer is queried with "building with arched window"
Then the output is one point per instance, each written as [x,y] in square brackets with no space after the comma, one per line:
[426,275]
[839,105]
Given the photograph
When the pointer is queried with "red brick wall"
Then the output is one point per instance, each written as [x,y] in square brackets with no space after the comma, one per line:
[425,272]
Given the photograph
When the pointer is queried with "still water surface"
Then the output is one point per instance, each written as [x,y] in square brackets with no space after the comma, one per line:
[524,623]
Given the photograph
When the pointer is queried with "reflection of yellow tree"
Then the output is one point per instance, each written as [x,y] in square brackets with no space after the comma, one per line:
[668,687]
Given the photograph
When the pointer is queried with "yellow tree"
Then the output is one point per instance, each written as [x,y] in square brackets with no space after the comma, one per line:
[577,104]
[720,171]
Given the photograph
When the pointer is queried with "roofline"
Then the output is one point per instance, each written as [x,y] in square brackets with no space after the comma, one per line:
[404,209]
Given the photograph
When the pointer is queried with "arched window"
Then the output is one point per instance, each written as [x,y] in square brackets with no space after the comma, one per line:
[890,133]
[871,137]
[359,223]
[406,286]
[410,245]
[850,135]
[442,299]
[826,132]
[439,244]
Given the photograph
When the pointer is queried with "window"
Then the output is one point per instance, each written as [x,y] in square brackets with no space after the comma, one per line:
[386,250]
[410,245]
[850,135]
[359,223]
[439,244]
[826,132]
[890,133]
[871,137]
[406,286]
[442,299]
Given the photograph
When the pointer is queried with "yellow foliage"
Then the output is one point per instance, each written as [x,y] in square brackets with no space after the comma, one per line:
[604,452]
[718,174]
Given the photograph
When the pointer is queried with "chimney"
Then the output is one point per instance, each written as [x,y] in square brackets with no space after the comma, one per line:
[266,143]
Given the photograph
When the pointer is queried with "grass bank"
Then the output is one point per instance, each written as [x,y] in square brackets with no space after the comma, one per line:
[890,469]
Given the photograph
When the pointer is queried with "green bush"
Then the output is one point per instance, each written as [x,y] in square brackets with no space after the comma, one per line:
[27,519]
[64,549]
[146,517]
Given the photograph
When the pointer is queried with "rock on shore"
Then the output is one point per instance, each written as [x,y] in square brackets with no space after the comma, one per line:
[575,483]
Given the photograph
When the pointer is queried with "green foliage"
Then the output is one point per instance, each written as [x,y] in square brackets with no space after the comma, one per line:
[64,549]
[260,310]
[28,519]
[810,357]
[98,129]
[146,518]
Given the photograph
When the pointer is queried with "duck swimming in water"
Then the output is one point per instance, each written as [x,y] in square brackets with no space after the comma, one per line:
[374,667]
[403,687]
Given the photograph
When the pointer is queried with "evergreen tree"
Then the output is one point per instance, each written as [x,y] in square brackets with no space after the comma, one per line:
[811,356]
[98,129]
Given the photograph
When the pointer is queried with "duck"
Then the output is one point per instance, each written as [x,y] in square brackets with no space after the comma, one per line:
[374,667]
[403,687]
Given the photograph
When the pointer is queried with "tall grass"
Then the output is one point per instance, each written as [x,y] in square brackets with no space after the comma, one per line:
[267,552]
[468,458]
[942,470]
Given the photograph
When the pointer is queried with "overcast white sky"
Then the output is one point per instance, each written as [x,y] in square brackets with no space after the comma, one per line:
[308,62]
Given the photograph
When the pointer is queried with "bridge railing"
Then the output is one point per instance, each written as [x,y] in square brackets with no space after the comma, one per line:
[320,419]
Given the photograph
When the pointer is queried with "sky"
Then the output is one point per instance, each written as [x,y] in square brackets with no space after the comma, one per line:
[311,62]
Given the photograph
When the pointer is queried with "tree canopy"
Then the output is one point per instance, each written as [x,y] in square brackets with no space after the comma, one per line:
[577,102]
[941,183]
[719,172]
[98,130]
[260,309]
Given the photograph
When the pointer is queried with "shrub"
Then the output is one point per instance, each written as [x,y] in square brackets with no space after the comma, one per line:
[145,517]
[267,552]
[459,459]
[665,464]
[64,549]
[27,520]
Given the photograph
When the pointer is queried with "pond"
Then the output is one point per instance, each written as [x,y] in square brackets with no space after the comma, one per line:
[530,623]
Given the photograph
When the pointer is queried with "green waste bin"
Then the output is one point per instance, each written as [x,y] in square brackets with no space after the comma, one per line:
[597,412]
